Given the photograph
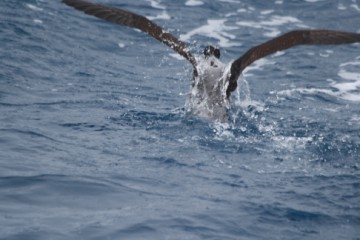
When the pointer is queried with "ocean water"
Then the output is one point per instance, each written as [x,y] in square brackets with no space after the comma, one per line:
[96,142]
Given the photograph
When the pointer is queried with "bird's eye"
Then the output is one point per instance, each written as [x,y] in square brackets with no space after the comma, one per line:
[217,53]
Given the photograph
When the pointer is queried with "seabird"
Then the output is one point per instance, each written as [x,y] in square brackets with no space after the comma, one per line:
[213,82]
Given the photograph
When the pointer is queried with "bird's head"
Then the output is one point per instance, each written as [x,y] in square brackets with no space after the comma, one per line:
[211,51]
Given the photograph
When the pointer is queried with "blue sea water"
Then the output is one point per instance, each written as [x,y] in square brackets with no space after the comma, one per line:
[96,143]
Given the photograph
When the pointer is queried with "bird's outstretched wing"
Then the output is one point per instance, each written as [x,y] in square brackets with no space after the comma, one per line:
[288,40]
[127,18]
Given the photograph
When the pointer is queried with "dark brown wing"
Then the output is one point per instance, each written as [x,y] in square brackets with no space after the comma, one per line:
[288,40]
[126,18]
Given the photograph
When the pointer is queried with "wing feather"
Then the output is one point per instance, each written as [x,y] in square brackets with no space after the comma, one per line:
[288,40]
[133,20]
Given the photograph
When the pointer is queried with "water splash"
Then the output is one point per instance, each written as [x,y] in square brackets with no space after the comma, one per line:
[207,97]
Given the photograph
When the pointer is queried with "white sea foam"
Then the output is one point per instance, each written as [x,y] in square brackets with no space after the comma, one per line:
[355,118]
[349,90]
[257,65]
[157,5]
[271,24]
[229,1]
[38,21]
[193,3]
[241,10]
[222,130]
[214,29]
[266,12]
[162,15]
[355,6]
[288,142]
[177,56]
[275,20]
[290,92]
[33,7]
